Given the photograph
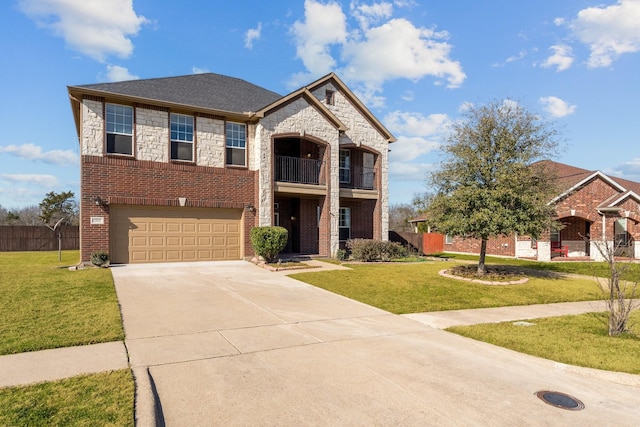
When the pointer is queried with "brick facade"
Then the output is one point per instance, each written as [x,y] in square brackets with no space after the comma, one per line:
[587,217]
[126,181]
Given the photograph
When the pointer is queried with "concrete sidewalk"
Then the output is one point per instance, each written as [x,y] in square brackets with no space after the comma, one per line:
[445,319]
[49,365]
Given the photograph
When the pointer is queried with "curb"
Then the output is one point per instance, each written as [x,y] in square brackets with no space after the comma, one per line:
[148,410]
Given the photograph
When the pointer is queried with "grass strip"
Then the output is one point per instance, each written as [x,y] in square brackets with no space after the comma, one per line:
[104,399]
[579,340]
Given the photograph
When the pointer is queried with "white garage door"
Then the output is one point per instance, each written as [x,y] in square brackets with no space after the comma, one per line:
[140,234]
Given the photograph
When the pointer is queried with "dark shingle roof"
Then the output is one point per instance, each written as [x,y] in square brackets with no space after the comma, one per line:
[209,90]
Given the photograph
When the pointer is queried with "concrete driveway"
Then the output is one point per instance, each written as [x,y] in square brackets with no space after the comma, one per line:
[228,343]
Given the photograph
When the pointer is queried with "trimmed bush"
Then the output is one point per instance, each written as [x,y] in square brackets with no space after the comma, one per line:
[269,241]
[99,258]
[375,250]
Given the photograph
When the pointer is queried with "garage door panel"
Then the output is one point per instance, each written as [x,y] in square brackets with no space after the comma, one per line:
[157,241]
[173,227]
[173,240]
[204,241]
[139,242]
[149,234]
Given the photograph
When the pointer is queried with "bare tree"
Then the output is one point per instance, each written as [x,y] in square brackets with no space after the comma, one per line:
[399,216]
[620,288]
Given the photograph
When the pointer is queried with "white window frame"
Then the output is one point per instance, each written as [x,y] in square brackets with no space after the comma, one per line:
[344,165]
[236,139]
[448,239]
[183,133]
[119,123]
[621,235]
[344,222]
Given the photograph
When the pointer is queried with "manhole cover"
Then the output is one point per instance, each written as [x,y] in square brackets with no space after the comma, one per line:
[560,400]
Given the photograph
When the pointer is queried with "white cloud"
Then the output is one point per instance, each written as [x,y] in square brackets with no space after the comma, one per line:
[398,49]
[608,31]
[95,28]
[415,124]
[199,70]
[116,73]
[628,170]
[38,179]
[417,135]
[367,14]
[556,106]
[379,50]
[409,172]
[252,35]
[408,96]
[562,57]
[324,25]
[34,152]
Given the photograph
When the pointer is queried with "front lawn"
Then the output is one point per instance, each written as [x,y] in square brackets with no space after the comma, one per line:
[580,340]
[45,306]
[417,287]
[104,399]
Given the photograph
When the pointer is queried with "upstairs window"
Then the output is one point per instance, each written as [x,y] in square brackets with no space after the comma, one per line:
[236,144]
[344,224]
[344,165]
[119,126]
[181,137]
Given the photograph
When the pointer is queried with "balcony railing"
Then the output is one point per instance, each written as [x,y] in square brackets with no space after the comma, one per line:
[359,178]
[300,170]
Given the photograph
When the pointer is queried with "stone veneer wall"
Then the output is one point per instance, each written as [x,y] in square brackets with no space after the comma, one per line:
[363,134]
[300,118]
[210,142]
[152,135]
[92,117]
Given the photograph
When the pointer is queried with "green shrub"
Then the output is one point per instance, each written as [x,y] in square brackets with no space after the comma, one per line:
[99,258]
[375,250]
[341,255]
[268,242]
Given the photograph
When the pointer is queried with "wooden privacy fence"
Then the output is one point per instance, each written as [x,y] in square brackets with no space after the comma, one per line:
[424,243]
[37,238]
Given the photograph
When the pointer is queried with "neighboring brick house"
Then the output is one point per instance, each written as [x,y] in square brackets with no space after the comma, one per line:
[592,207]
[181,168]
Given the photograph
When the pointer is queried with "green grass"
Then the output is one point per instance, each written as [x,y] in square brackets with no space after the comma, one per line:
[580,340]
[45,306]
[417,287]
[104,399]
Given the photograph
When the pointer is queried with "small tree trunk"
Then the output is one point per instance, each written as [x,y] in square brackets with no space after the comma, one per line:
[483,253]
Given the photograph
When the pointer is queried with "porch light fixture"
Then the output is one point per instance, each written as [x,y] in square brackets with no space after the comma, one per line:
[250,208]
[99,202]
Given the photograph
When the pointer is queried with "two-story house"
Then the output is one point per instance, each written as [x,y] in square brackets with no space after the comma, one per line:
[181,168]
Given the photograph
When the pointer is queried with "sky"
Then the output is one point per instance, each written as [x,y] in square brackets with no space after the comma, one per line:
[415,64]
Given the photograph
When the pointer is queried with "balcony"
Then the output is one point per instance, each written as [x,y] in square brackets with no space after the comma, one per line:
[358,178]
[299,170]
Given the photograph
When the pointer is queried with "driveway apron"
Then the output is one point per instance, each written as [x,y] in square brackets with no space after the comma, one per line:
[229,343]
